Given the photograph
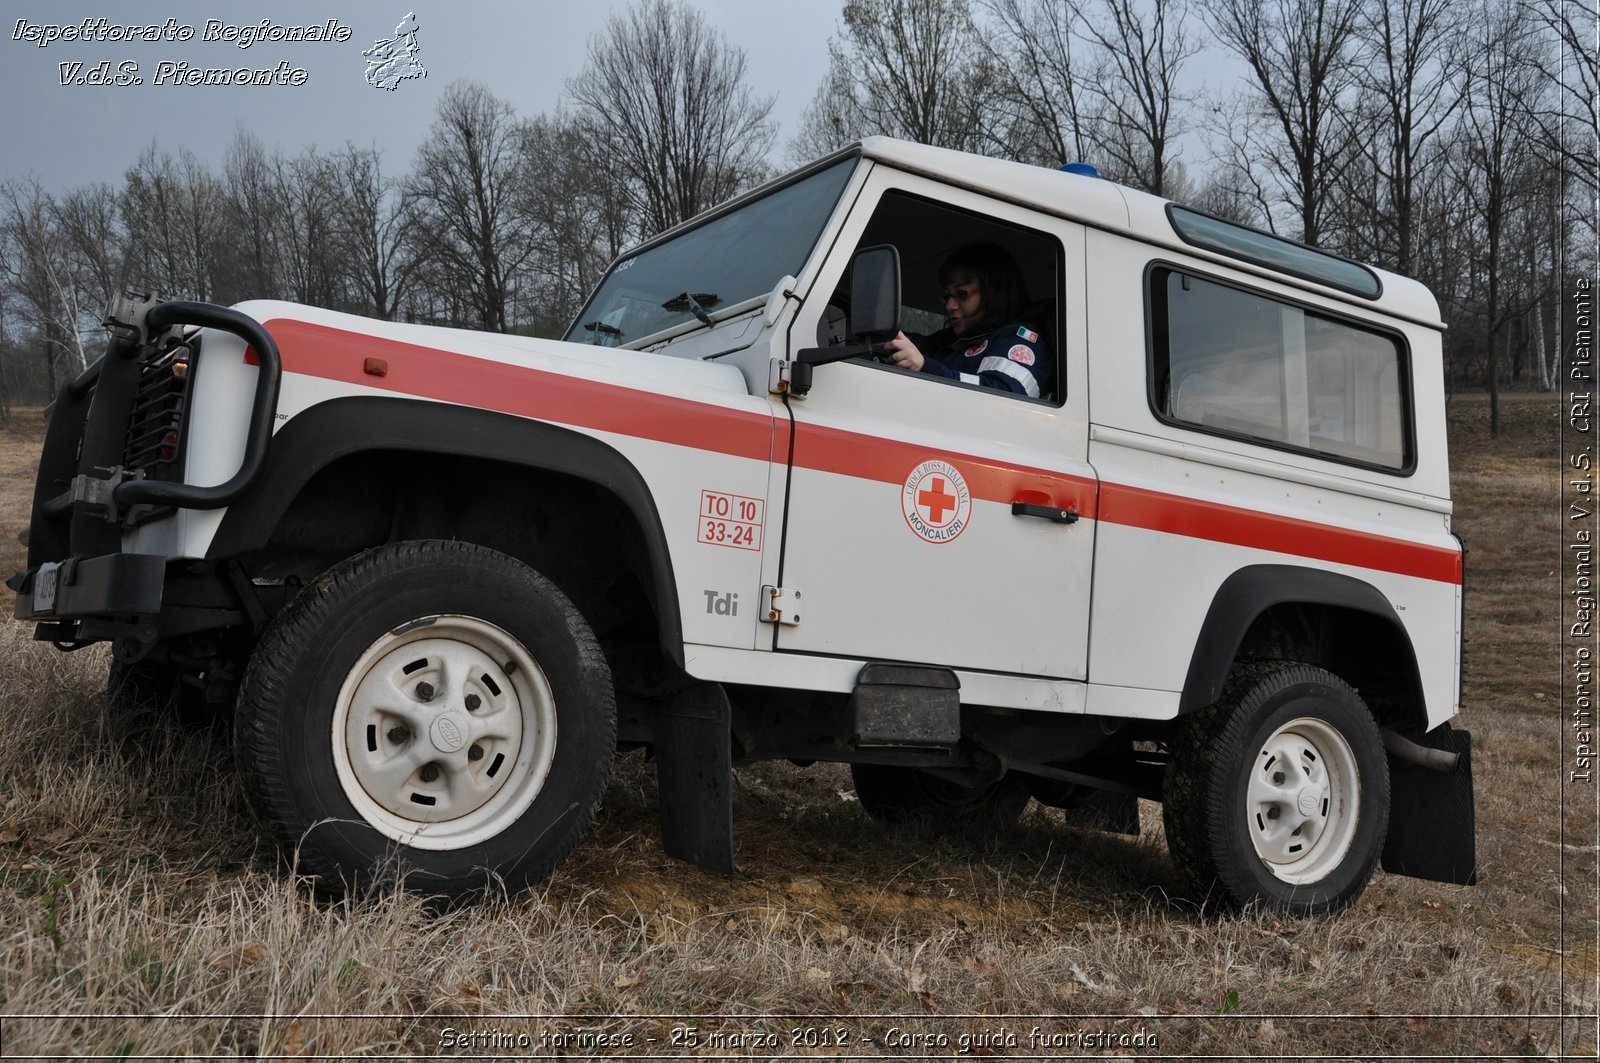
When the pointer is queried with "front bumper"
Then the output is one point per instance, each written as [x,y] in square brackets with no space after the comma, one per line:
[111,461]
[113,585]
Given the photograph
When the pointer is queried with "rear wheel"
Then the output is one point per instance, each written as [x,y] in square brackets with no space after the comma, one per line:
[899,795]
[432,711]
[1277,796]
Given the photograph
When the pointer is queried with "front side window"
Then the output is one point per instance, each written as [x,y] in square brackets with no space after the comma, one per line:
[727,260]
[1240,363]
[978,296]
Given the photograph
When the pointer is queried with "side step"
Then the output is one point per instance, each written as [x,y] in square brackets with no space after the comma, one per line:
[694,768]
[896,706]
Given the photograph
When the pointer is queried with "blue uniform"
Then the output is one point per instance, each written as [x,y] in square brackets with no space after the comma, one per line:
[1011,358]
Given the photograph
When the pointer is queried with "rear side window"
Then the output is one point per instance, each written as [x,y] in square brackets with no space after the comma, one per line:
[1239,363]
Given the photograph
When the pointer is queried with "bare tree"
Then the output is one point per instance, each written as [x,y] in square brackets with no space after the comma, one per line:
[1298,53]
[173,211]
[580,213]
[1410,92]
[251,205]
[1099,85]
[665,94]
[1570,125]
[1503,81]
[370,212]
[465,188]
[91,227]
[1143,52]
[304,194]
[1044,114]
[915,69]
[5,352]
[1228,193]
[38,274]
[1240,137]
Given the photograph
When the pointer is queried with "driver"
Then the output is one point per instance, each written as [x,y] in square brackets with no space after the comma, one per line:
[987,340]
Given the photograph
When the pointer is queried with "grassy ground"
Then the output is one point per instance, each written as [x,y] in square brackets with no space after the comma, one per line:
[142,917]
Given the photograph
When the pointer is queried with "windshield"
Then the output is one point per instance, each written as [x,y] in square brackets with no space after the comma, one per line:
[727,260]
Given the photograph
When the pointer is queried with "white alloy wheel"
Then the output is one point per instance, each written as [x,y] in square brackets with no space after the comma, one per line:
[1302,800]
[444,732]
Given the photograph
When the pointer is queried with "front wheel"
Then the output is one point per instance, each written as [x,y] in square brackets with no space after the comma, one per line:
[432,712]
[1277,796]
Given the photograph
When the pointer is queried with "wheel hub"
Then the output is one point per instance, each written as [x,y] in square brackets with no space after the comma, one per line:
[449,732]
[444,732]
[1302,799]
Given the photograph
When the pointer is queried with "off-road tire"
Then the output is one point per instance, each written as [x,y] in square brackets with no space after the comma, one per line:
[1284,745]
[899,796]
[323,739]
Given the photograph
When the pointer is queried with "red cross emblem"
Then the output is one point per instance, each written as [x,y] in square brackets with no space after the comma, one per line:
[936,500]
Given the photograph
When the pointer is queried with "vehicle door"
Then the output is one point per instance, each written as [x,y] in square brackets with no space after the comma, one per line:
[929,520]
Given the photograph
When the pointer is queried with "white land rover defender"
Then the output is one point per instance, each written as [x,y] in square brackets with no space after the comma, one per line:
[441,574]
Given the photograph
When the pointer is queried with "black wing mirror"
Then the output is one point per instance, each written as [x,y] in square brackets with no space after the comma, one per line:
[874,314]
[875,293]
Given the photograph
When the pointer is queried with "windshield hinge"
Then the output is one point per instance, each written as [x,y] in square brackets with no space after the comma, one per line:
[780,605]
[782,292]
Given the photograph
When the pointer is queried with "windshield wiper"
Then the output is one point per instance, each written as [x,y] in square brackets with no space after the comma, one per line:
[600,328]
[695,303]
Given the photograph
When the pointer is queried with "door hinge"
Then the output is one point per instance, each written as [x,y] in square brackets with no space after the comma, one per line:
[780,605]
[781,378]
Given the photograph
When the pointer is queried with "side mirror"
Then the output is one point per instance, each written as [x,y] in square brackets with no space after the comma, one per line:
[874,315]
[875,293]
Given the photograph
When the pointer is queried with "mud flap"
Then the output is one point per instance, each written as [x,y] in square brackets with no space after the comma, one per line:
[694,753]
[1432,825]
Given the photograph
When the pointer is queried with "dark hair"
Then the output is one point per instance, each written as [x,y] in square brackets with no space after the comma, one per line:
[1002,291]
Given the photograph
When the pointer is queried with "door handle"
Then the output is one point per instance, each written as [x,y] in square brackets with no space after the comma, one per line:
[1057,514]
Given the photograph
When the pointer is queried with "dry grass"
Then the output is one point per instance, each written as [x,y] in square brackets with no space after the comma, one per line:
[140,912]
[19,462]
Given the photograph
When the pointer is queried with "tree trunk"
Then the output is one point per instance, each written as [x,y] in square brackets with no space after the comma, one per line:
[1546,381]
[1493,370]
[50,358]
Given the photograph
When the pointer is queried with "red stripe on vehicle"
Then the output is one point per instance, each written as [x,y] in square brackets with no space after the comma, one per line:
[890,461]
[1138,507]
[337,354]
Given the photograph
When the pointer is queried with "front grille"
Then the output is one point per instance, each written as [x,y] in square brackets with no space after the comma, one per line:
[155,443]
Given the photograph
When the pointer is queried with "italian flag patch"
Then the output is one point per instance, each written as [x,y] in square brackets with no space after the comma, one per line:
[1028,334]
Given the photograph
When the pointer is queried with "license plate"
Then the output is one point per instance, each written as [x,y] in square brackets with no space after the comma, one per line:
[44,587]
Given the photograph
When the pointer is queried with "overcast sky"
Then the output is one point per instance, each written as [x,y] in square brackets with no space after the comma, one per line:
[70,135]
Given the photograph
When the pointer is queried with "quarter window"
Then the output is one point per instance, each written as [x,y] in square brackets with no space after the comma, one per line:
[1240,363]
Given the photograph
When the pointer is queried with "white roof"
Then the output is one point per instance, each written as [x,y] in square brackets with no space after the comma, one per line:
[1106,205]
